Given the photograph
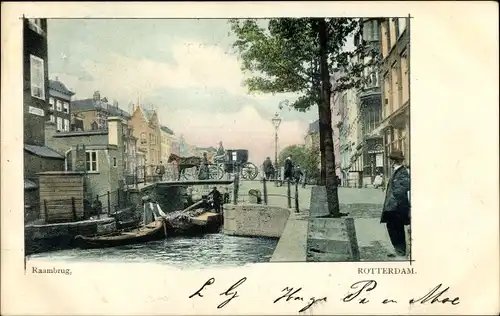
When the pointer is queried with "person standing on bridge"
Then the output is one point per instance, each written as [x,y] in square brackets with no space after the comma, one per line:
[288,169]
[297,174]
[160,170]
[396,209]
[268,168]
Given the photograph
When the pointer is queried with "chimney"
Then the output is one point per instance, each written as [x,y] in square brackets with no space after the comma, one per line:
[115,131]
[115,103]
[97,96]
[50,131]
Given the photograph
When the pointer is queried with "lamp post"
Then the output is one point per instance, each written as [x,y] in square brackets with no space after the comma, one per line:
[276,122]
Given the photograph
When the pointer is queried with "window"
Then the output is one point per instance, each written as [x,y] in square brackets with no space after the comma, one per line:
[392,33]
[66,107]
[91,160]
[93,126]
[405,78]
[114,162]
[66,125]
[51,103]
[386,39]
[36,25]
[395,87]
[58,105]
[37,77]
[52,118]
[59,124]
[143,138]
[68,162]
[387,95]
[401,25]
[375,30]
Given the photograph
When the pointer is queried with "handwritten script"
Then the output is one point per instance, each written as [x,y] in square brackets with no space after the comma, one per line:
[361,292]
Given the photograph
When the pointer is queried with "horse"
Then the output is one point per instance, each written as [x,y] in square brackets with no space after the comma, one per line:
[184,163]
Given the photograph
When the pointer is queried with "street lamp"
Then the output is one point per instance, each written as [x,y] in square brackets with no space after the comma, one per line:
[276,122]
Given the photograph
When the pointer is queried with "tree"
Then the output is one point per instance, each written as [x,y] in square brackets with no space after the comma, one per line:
[306,158]
[298,55]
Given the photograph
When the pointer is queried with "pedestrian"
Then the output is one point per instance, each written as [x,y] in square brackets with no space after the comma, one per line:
[288,169]
[304,180]
[297,174]
[268,168]
[377,182]
[160,170]
[396,209]
[217,199]
[203,173]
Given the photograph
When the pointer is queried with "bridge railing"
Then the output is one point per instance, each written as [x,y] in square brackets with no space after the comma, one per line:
[259,194]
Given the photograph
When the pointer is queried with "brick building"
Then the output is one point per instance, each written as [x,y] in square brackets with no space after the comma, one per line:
[92,114]
[59,105]
[37,157]
[395,71]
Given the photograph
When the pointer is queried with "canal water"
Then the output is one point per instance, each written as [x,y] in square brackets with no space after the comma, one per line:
[212,250]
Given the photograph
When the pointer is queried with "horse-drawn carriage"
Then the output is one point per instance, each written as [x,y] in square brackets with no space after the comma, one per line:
[233,161]
[236,161]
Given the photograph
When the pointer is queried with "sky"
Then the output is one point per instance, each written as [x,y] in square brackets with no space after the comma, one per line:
[186,69]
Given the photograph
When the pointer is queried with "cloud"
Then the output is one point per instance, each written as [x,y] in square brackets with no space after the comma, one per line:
[194,66]
[245,129]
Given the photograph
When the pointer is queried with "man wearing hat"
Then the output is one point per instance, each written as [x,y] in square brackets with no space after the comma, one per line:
[396,210]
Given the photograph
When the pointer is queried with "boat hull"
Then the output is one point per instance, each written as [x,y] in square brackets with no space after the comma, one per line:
[154,231]
[205,223]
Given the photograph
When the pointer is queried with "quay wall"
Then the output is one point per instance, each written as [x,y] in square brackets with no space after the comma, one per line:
[50,237]
[255,220]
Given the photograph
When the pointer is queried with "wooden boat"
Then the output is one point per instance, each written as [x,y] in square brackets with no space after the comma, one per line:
[195,223]
[130,224]
[153,231]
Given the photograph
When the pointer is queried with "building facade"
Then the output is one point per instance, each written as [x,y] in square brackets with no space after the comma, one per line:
[166,143]
[36,80]
[92,114]
[350,139]
[311,140]
[336,109]
[395,74]
[146,129]
[59,105]
[37,156]
[130,158]
[370,107]
[98,153]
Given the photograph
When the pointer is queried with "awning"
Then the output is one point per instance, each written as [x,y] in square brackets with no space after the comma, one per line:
[29,185]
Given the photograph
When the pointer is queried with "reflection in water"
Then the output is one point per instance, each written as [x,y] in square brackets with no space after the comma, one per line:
[202,251]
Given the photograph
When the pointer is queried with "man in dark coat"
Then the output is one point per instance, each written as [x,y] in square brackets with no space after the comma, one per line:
[297,174]
[217,199]
[288,169]
[396,211]
[268,168]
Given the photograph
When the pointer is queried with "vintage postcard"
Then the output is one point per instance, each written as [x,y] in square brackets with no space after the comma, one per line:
[249,158]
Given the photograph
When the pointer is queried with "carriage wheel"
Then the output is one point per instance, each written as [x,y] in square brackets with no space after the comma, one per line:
[215,172]
[249,171]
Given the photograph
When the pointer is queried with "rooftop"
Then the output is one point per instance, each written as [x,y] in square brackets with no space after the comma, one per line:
[91,104]
[43,151]
[167,130]
[60,87]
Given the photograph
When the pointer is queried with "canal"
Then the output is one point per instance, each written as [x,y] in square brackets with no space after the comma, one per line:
[184,252]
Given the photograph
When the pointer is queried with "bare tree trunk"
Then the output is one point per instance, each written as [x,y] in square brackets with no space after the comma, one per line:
[325,123]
